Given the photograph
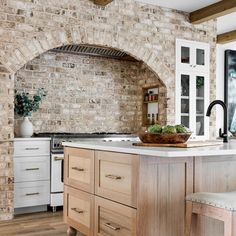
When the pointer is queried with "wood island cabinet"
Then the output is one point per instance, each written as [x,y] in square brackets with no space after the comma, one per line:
[119,194]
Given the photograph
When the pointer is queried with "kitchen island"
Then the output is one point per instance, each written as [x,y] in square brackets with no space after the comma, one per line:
[119,189]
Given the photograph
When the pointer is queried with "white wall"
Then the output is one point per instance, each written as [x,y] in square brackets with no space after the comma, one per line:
[220,79]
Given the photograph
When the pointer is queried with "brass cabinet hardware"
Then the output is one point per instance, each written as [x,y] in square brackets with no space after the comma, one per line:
[58,158]
[113,227]
[31,149]
[79,211]
[116,177]
[31,194]
[32,169]
[78,169]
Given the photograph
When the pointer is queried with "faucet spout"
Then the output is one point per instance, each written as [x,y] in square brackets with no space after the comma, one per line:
[223,135]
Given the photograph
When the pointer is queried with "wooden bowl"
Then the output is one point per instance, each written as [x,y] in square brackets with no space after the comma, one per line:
[147,137]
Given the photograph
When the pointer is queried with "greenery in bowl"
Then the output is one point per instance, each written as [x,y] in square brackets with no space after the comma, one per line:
[26,104]
[168,129]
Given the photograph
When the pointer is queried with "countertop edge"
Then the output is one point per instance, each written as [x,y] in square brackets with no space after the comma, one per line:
[183,152]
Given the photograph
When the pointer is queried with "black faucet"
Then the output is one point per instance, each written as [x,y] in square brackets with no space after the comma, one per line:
[223,135]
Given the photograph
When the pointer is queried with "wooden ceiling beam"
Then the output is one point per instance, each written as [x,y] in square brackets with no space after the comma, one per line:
[213,11]
[102,2]
[227,37]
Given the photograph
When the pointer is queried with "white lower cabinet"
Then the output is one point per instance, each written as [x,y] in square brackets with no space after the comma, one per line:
[31,174]
[34,193]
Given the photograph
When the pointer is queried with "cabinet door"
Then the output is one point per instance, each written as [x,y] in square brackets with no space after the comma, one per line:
[114,219]
[116,177]
[184,54]
[201,57]
[192,99]
[29,194]
[184,100]
[79,210]
[192,55]
[201,121]
[32,169]
[79,169]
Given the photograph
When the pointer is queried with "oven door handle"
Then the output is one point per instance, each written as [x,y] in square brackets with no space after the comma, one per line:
[62,171]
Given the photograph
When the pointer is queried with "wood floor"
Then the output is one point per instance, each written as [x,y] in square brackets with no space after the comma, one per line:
[37,224]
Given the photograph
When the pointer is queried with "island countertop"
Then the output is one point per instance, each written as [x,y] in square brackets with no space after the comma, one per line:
[128,147]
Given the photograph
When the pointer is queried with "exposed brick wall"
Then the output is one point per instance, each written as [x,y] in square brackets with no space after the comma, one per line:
[87,94]
[29,28]
[6,150]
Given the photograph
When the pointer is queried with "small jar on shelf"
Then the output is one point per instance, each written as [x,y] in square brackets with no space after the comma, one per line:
[150,97]
[149,122]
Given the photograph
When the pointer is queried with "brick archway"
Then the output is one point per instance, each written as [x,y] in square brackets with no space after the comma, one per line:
[31,48]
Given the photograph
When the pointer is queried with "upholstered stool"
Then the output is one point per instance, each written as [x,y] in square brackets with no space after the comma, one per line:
[220,206]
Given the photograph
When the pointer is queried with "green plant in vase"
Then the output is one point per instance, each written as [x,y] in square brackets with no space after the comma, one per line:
[25,105]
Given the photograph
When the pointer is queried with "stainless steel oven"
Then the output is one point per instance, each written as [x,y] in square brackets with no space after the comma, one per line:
[56,180]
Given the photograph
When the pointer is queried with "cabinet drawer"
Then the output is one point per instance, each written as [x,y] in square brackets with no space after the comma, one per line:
[31,148]
[31,194]
[116,177]
[114,219]
[79,210]
[32,168]
[79,169]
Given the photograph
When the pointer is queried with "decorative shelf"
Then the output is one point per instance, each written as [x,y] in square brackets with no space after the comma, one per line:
[154,101]
[150,107]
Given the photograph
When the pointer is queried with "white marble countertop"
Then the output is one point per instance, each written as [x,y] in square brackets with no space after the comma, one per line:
[127,147]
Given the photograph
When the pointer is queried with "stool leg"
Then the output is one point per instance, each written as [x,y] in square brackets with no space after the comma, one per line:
[228,226]
[191,221]
[194,228]
[188,219]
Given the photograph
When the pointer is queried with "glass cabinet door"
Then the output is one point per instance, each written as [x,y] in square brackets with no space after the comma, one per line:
[200,105]
[185,100]
[185,55]
[201,58]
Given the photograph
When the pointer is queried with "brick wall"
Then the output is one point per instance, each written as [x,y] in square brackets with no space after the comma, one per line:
[29,28]
[87,94]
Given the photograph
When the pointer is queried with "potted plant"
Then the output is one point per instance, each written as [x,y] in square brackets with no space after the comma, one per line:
[25,105]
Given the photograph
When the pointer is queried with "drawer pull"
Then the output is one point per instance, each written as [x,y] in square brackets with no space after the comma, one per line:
[116,177]
[28,169]
[109,225]
[31,149]
[79,211]
[31,194]
[78,169]
[58,158]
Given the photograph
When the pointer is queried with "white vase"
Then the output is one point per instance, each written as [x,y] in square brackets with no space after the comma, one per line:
[26,128]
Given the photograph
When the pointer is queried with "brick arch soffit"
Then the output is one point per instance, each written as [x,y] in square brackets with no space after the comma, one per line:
[33,47]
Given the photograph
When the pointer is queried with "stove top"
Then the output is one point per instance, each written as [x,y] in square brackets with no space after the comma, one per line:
[58,138]
[68,134]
